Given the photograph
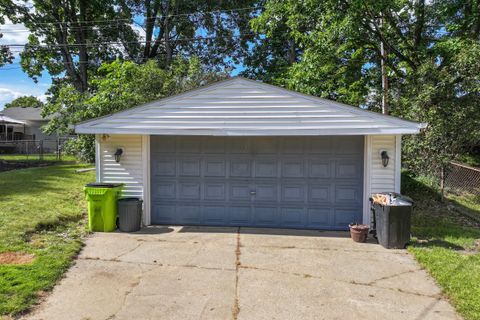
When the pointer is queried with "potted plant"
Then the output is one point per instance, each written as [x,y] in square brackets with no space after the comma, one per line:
[358,232]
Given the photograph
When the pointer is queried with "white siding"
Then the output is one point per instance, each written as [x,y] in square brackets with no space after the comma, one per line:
[382,178]
[242,107]
[377,177]
[130,168]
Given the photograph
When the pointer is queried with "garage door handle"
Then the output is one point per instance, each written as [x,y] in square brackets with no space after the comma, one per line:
[253,193]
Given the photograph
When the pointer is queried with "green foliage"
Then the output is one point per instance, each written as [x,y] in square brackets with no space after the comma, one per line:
[25,102]
[41,212]
[120,85]
[446,244]
[332,49]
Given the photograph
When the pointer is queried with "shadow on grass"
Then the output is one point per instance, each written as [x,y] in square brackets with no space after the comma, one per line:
[436,223]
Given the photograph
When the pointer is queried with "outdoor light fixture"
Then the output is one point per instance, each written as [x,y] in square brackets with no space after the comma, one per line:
[385,158]
[118,154]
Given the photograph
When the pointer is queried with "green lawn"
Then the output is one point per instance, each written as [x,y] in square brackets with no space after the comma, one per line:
[41,212]
[35,157]
[447,244]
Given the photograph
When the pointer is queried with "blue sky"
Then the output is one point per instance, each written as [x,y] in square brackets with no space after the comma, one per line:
[15,83]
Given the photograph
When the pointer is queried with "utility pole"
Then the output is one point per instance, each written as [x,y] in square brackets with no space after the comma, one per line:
[384,56]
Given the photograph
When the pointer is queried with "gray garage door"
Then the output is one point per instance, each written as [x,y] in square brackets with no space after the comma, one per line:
[287,182]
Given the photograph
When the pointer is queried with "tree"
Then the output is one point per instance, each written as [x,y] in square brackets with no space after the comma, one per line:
[332,49]
[25,102]
[72,38]
[117,86]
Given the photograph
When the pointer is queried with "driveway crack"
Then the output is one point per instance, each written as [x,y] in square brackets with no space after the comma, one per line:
[236,305]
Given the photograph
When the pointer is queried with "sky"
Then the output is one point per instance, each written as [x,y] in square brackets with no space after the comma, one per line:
[14,82]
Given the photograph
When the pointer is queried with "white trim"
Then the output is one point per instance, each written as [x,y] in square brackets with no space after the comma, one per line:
[367,159]
[146,179]
[223,132]
[98,156]
[398,162]
[125,122]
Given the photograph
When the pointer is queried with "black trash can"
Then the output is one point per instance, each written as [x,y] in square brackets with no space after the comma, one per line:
[129,214]
[392,215]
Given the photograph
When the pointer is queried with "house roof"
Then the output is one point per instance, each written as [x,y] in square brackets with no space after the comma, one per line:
[24,114]
[243,107]
[4,119]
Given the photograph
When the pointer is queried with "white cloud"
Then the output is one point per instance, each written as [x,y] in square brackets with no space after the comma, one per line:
[13,33]
[6,94]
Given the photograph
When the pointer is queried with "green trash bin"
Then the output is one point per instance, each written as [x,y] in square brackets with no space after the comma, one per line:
[102,205]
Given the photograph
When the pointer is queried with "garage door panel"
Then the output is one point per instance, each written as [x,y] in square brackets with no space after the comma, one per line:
[347,169]
[345,216]
[215,215]
[188,214]
[240,168]
[240,215]
[188,145]
[265,191]
[293,168]
[189,168]
[319,217]
[164,190]
[239,191]
[164,168]
[214,145]
[215,191]
[292,145]
[321,168]
[320,193]
[293,217]
[163,213]
[293,192]
[265,145]
[265,216]
[298,182]
[266,168]
[189,190]
[215,167]
[347,194]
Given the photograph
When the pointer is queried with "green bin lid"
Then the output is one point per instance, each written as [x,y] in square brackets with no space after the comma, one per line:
[103,185]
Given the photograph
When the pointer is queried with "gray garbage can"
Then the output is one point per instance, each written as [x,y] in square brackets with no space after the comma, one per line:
[129,214]
[392,219]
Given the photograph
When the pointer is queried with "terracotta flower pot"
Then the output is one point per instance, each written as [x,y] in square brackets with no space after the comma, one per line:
[359,232]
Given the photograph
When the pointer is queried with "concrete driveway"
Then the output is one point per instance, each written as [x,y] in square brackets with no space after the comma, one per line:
[241,273]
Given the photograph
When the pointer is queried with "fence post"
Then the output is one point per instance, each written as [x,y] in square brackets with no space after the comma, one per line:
[41,150]
[442,182]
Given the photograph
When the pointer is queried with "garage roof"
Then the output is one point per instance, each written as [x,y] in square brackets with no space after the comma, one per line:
[243,107]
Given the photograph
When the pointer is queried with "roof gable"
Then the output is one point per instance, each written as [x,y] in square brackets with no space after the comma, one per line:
[240,107]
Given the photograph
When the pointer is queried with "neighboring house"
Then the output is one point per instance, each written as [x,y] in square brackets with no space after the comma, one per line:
[19,125]
[33,123]
[244,153]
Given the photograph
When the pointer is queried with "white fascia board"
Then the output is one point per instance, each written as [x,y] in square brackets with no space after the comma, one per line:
[240,132]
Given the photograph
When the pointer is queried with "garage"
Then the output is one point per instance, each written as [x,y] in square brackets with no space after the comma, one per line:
[287,182]
[240,152]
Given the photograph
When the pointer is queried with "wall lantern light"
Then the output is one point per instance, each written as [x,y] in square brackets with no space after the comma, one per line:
[385,158]
[118,154]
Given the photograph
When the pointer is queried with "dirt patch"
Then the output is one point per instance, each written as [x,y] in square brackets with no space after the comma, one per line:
[16,258]
[13,165]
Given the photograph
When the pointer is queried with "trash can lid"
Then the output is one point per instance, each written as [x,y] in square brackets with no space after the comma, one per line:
[130,199]
[103,185]
[394,199]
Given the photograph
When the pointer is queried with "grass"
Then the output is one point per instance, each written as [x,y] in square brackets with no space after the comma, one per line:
[35,157]
[447,244]
[41,212]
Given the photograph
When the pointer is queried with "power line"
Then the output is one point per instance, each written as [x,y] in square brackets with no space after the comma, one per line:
[94,44]
[109,21]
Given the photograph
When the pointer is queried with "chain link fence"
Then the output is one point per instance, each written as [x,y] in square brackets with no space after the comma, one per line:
[27,150]
[460,178]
